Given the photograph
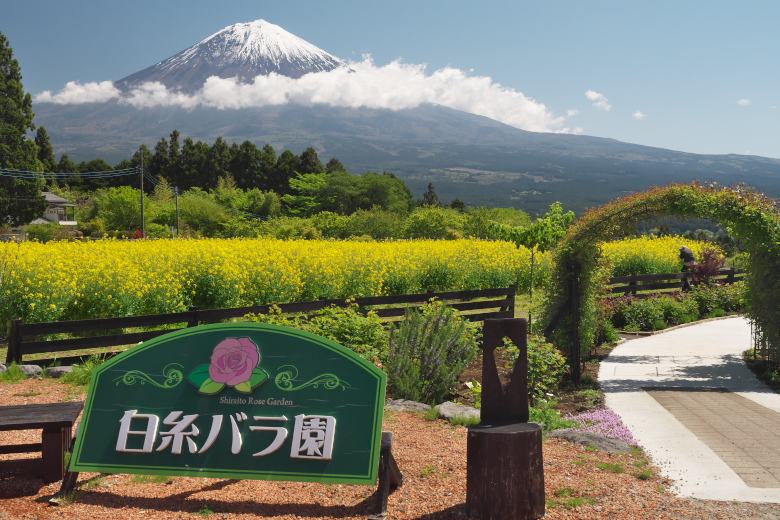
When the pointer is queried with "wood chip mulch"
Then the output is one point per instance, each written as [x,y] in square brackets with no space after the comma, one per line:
[579,483]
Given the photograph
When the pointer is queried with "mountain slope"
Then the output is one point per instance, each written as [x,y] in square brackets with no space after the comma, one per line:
[242,51]
[479,160]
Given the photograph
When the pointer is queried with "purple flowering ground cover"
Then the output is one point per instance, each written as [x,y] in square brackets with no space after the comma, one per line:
[604,422]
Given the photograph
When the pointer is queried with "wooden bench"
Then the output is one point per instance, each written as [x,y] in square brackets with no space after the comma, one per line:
[56,420]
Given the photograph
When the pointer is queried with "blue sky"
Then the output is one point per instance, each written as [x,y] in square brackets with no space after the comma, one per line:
[695,76]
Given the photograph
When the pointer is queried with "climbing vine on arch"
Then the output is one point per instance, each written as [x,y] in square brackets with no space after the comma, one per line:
[579,267]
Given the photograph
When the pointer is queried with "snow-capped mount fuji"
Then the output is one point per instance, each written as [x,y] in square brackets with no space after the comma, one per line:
[476,159]
[241,51]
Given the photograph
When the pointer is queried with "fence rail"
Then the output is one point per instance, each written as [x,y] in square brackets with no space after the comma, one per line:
[24,338]
[665,282]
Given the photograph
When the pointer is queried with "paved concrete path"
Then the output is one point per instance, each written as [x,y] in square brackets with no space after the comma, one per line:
[698,411]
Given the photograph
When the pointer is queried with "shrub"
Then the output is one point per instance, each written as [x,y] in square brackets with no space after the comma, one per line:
[428,351]
[42,232]
[644,314]
[729,298]
[615,309]
[546,364]
[708,267]
[680,308]
[12,374]
[545,414]
[366,335]
[655,313]
[82,372]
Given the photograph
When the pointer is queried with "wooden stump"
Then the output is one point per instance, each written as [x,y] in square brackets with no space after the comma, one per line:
[505,472]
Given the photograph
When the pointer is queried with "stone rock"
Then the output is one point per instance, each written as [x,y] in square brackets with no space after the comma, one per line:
[591,439]
[405,405]
[31,370]
[3,368]
[450,410]
[58,372]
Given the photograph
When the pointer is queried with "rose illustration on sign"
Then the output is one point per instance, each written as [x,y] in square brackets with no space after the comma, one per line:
[234,362]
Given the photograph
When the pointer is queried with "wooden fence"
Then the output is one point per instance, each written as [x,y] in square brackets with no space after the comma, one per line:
[25,338]
[665,282]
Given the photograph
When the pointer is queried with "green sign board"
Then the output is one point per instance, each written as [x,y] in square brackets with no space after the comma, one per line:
[247,401]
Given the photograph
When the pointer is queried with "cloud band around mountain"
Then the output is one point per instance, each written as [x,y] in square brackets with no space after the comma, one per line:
[395,86]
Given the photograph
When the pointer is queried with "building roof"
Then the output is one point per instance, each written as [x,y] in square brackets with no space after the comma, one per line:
[56,200]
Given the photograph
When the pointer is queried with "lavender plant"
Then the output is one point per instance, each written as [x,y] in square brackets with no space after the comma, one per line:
[428,351]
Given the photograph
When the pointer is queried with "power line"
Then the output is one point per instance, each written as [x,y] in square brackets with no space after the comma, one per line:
[21,174]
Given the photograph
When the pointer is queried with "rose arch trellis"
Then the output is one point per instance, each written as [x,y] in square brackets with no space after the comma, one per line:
[572,317]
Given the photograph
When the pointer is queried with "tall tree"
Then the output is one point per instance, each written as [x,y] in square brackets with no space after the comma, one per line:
[310,162]
[245,165]
[334,165]
[174,155]
[217,163]
[66,165]
[20,199]
[45,150]
[193,163]
[429,197]
[159,163]
[287,166]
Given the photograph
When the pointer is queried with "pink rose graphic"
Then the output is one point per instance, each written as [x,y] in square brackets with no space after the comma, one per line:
[233,361]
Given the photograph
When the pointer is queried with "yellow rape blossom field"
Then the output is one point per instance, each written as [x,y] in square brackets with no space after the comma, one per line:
[107,278]
[649,255]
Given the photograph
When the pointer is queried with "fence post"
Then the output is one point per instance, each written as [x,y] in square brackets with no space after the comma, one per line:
[194,318]
[511,298]
[730,278]
[14,339]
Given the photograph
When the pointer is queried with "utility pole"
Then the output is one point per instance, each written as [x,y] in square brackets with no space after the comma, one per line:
[143,209]
[176,190]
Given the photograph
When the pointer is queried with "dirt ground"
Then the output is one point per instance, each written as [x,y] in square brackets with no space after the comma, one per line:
[580,483]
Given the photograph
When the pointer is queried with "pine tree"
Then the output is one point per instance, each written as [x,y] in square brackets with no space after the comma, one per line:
[20,199]
[310,162]
[45,150]
[430,198]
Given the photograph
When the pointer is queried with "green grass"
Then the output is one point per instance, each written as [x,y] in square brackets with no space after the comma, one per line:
[464,421]
[565,492]
[28,394]
[95,482]
[592,396]
[612,468]
[151,479]
[571,503]
[82,372]
[643,475]
[432,414]
[205,511]
[13,374]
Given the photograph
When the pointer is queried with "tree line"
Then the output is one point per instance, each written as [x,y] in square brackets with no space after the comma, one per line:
[220,189]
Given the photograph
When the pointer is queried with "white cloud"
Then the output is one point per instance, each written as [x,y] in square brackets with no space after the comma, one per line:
[744,102]
[75,93]
[639,115]
[600,100]
[572,113]
[394,86]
